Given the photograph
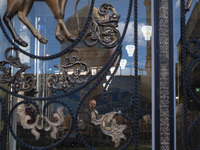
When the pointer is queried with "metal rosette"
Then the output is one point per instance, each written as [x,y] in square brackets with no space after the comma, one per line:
[5,116]
[41,122]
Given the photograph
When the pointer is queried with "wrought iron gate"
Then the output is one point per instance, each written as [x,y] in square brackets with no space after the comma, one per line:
[80,78]
[189,62]
[76,76]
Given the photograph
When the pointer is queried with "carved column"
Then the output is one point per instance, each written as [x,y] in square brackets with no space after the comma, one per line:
[163,79]
[166,74]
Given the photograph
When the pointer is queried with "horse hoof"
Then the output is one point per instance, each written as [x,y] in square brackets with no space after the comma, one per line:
[21,42]
[24,44]
[43,40]
[60,38]
[71,38]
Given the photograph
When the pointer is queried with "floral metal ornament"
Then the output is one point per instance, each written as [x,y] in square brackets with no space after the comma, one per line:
[104,31]
[73,72]
[114,130]
[53,126]
[18,81]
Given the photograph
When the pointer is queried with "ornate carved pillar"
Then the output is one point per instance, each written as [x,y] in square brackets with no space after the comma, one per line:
[164,71]
[164,75]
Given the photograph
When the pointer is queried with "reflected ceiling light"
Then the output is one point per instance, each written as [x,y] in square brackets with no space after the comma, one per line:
[123,63]
[57,72]
[112,70]
[130,50]
[107,78]
[147,32]
[104,84]
[94,71]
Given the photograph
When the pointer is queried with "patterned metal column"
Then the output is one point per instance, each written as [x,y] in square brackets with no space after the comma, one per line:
[165,82]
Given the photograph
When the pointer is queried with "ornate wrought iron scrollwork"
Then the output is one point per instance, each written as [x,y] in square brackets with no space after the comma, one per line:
[19,82]
[53,126]
[114,130]
[108,35]
[73,72]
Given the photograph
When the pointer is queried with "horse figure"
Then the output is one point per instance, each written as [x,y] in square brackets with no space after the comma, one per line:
[22,9]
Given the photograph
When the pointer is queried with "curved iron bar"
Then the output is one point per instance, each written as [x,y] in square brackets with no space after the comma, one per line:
[184,74]
[37,108]
[5,114]
[189,71]
[197,48]
[136,96]
[75,42]
[118,48]
[191,131]
[125,91]
[191,92]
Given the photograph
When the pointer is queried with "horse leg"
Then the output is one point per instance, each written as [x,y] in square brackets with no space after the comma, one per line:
[58,9]
[66,32]
[13,7]
[77,18]
[62,6]
[22,14]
